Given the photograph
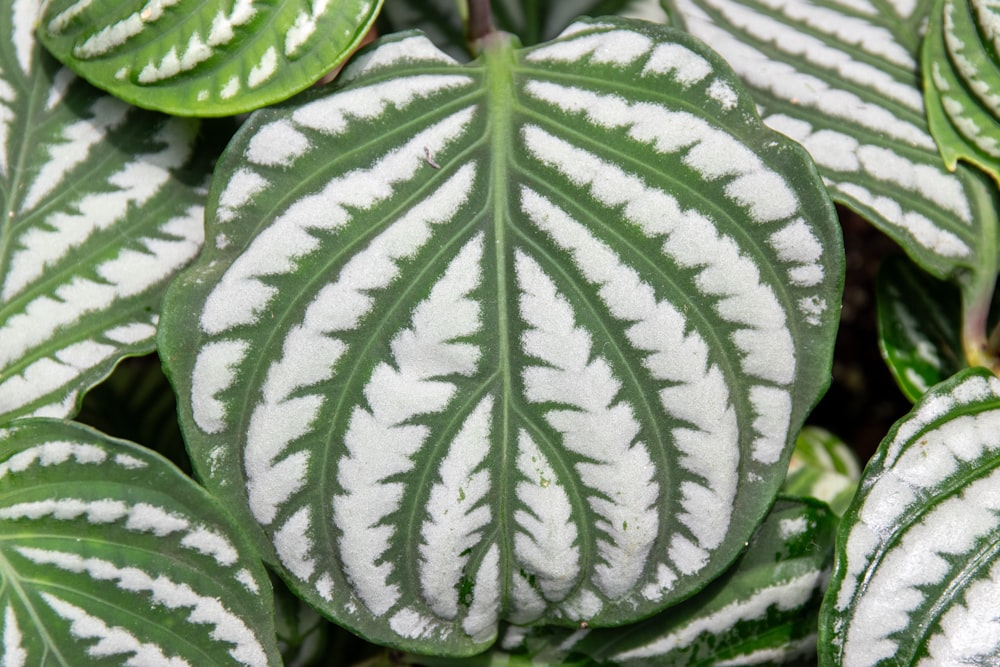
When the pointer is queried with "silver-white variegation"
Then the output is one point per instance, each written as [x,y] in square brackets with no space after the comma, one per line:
[101,207]
[843,80]
[110,555]
[524,339]
[918,577]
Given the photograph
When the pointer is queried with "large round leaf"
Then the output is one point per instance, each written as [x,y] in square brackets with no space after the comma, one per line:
[918,574]
[207,57]
[101,205]
[109,555]
[524,339]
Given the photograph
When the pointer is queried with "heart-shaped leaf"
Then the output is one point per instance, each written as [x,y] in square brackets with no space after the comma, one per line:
[102,205]
[842,79]
[917,575]
[822,467]
[762,611]
[110,555]
[207,57]
[526,339]
[918,327]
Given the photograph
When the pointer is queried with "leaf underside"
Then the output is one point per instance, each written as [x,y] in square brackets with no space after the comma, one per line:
[519,340]
[102,205]
[110,555]
[208,57]
[917,573]
[842,79]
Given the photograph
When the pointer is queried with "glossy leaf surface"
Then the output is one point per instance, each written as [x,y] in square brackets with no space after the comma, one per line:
[524,340]
[102,204]
[207,57]
[842,79]
[918,324]
[962,75]
[109,555]
[917,574]
[762,611]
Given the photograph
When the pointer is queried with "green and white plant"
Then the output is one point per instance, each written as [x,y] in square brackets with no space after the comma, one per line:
[491,360]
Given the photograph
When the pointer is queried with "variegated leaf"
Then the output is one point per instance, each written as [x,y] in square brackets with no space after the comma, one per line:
[842,79]
[962,75]
[763,611]
[102,205]
[204,57]
[822,467]
[109,555]
[918,324]
[917,577]
[526,339]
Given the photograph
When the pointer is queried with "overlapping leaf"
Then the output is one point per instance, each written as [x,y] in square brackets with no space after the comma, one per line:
[531,22]
[110,555]
[918,574]
[101,206]
[531,335]
[822,467]
[207,57]
[962,77]
[761,612]
[842,79]
[918,323]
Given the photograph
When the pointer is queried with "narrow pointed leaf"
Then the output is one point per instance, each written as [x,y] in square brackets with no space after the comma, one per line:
[917,575]
[842,79]
[763,611]
[822,467]
[963,73]
[206,57]
[918,324]
[109,555]
[526,339]
[102,205]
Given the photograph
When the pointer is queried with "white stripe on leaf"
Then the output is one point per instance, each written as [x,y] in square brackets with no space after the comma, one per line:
[241,294]
[410,50]
[546,542]
[284,413]
[839,152]
[711,152]
[456,513]
[381,441]
[137,518]
[131,186]
[23,18]
[969,632]
[616,47]
[161,590]
[14,654]
[111,640]
[50,454]
[697,395]
[618,468]
[783,596]
[691,240]
[788,83]
[922,556]
[113,36]
[480,622]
